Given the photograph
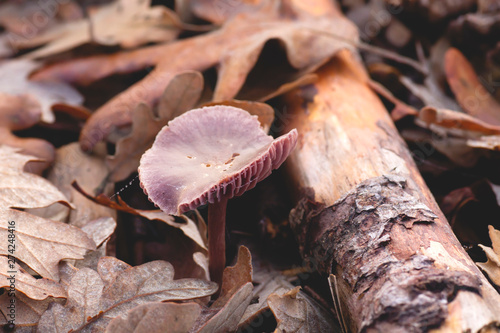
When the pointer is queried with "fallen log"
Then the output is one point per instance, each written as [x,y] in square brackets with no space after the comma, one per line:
[365,214]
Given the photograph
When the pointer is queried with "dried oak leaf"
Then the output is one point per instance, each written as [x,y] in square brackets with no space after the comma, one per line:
[99,230]
[492,266]
[37,289]
[24,190]
[264,112]
[227,318]
[123,22]
[296,312]
[235,48]
[14,81]
[71,164]
[189,228]
[470,93]
[157,318]
[18,112]
[94,299]
[235,296]
[472,132]
[181,94]
[42,244]
[28,311]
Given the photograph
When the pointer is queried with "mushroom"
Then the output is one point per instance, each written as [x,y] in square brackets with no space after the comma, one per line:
[210,155]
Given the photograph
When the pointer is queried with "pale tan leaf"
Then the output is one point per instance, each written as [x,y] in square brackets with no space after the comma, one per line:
[492,265]
[27,311]
[38,289]
[99,230]
[297,312]
[24,190]
[264,112]
[270,283]
[181,94]
[122,22]
[70,164]
[130,23]
[110,267]
[157,318]
[490,142]
[42,243]
[84,295]
[227,318]
[91,307]
[14,81]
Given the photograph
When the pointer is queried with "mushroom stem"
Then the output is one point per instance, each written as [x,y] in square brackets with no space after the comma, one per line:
[217,239]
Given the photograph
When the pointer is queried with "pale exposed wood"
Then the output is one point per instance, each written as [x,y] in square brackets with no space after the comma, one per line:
[366,215]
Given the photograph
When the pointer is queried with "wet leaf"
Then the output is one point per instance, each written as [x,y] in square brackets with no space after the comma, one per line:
[297,312]
[42,244]
[157,318]
[95,299]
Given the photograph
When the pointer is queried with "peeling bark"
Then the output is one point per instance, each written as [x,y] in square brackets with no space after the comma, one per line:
[365,214]
[354,234]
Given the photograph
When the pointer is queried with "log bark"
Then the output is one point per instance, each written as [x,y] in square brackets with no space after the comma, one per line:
[365,214]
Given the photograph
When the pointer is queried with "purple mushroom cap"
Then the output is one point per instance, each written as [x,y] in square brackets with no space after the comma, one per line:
[208,153]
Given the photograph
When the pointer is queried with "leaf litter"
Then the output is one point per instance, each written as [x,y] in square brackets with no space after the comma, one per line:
[72,237]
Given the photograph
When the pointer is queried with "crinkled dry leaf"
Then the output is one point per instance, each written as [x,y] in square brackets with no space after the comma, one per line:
[38,289]
[181,94]
[89,170]
[99,230]
[268,283]
[225,313]
[470,93]
[264,112]
[42,243]
[14,81]
[297,312]
[236,47]
[131,23]
[228,317]
[189,228]
[234,277]
[28,311]
[218,12]
[18,112]
[24,190]
[93,303]
[492,266]
[157,318]
[491,142]
[128,23]
[458,123]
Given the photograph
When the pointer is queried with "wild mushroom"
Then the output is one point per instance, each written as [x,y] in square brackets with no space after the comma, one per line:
[210,155]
